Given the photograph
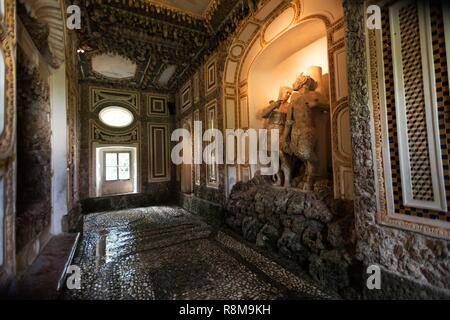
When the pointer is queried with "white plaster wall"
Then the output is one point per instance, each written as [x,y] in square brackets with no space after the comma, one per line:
[59,147]
[271,71]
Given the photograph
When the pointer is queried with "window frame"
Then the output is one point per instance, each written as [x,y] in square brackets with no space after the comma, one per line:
[117,153]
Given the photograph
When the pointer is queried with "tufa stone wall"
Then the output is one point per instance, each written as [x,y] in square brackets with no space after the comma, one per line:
[33,155]
[310,228]
[405,256]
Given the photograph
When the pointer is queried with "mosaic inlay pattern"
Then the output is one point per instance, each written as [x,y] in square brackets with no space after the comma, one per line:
[440,62]
[415,105]
[166,253]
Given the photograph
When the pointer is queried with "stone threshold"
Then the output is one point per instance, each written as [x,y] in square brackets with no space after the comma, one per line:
[41,279]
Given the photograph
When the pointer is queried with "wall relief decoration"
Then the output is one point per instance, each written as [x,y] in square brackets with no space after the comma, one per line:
[103,96]
[159,148]
[157,106]
[415,204]
[99,134]
[211,75]
[186,97]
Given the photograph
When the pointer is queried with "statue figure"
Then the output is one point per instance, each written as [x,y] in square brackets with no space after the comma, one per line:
[274,117]
[299,134]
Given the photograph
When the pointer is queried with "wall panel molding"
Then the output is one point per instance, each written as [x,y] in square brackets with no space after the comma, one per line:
[159,155]
[409,112]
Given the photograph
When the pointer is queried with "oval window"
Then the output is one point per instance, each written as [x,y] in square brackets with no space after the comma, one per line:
[116,117]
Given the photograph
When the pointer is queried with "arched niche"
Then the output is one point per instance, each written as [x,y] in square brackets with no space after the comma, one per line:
[261,39]
[282,61]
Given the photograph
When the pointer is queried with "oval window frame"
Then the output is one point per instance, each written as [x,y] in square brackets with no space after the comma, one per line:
[117,127]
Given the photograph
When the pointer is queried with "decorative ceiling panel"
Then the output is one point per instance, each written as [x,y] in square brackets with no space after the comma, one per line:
[165,39]
[195,7]
[113,66]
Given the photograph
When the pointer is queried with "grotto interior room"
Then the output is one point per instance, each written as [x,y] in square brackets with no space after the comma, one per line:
[224,150]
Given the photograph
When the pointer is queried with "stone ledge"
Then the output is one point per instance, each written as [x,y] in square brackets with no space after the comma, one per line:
[120,202]
[211,212]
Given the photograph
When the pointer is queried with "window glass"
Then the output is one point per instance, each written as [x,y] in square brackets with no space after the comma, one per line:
[124,159]
[116,117]
[111,173]
[111,159]
[124,166]
[117,166]
[124,173]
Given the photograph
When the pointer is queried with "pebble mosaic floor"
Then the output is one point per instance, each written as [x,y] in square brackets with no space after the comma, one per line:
[165,253]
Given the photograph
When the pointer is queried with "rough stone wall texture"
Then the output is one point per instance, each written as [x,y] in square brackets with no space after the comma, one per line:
[311,228]
[73,219]
[33,154]
[423,259]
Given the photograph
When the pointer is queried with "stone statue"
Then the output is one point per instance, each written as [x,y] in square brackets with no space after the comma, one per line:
[274,117]
[299,135]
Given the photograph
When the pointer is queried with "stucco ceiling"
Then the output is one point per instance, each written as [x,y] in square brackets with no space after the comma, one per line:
[113,66]
[196,7]
[155,45]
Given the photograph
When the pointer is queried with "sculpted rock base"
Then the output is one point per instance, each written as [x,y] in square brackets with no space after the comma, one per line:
[311,228]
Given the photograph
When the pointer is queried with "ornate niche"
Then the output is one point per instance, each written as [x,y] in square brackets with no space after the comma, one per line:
[267,27]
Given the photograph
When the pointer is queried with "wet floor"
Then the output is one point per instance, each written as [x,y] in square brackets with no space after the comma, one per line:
[167,253]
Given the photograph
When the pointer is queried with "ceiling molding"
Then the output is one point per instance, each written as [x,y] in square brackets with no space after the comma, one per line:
[154,36]
[49,12]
